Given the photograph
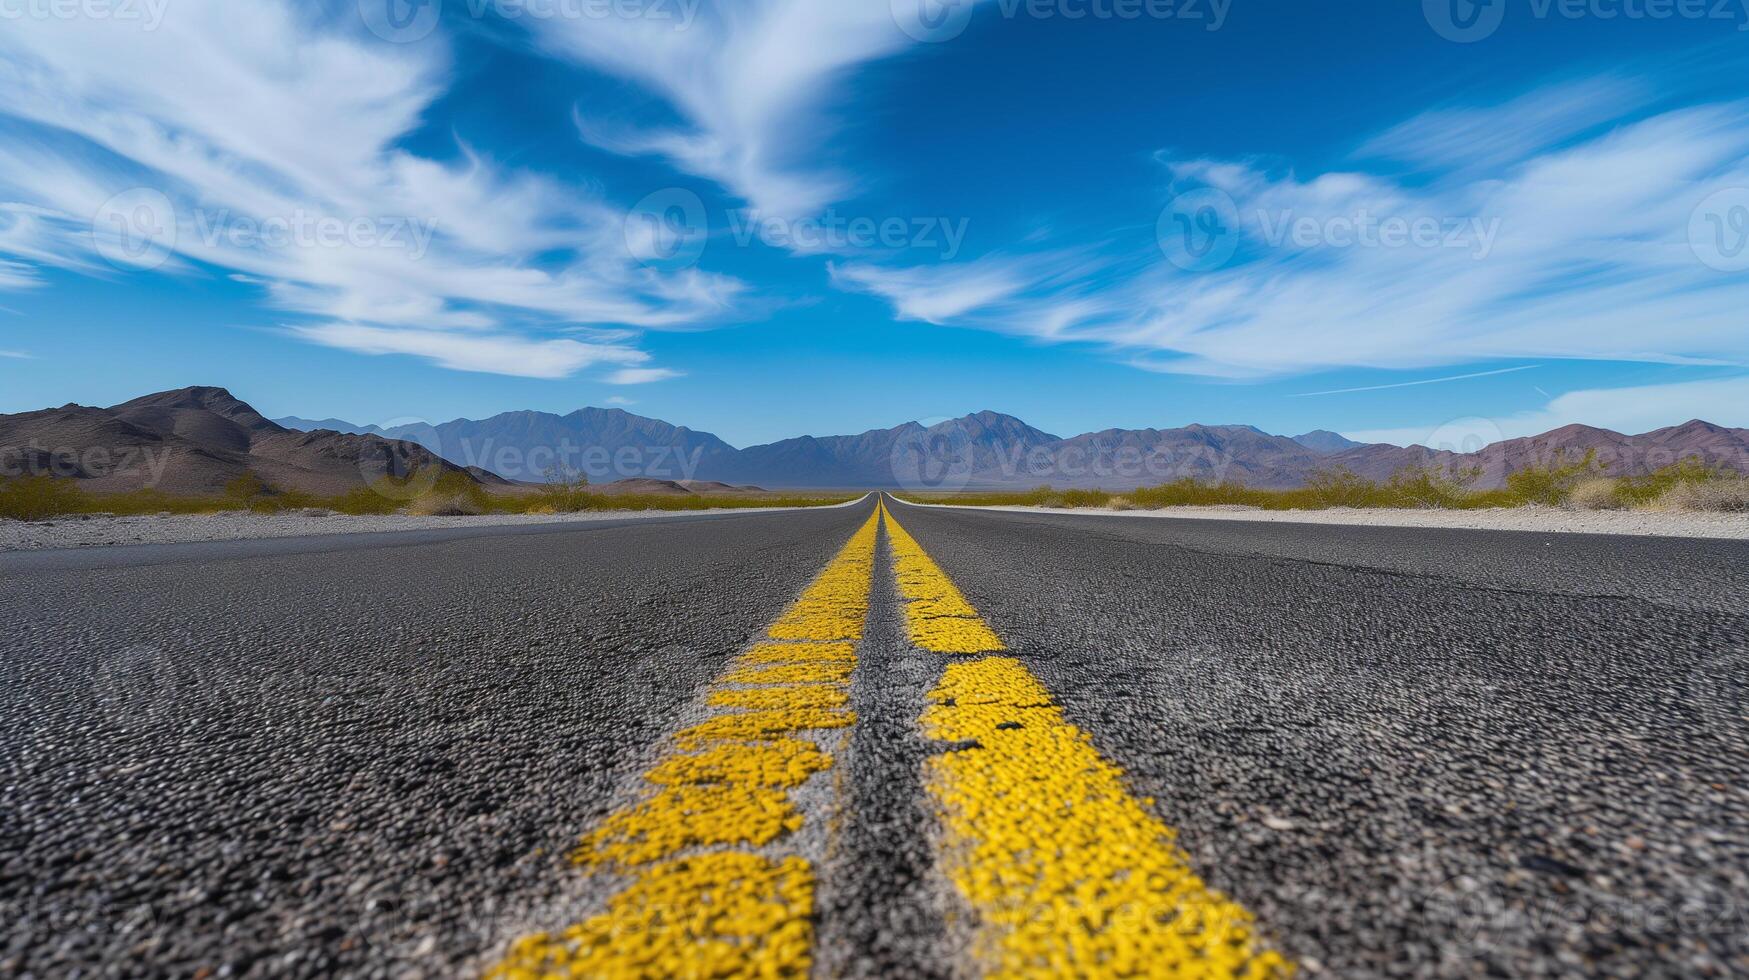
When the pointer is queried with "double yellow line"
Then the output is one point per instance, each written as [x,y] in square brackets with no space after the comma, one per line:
[1066,874]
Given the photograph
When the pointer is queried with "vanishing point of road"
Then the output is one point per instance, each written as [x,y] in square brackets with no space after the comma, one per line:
[878,740]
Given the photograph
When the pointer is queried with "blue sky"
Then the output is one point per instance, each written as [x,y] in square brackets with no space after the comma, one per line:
[1430,222]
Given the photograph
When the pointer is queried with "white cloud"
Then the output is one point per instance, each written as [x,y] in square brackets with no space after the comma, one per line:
[15,354]
[1722,401]
[619,400]
[753,81]
[244,114]
[1580,251]
[640,376]
[940,293]
[486,353]
[1495,136]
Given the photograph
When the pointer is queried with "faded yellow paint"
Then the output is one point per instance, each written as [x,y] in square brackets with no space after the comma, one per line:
[937,616]
[1066,873]
[726,914]
[702,894]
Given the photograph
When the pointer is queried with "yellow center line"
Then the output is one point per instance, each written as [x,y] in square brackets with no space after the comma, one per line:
[701,892]
[1067,873]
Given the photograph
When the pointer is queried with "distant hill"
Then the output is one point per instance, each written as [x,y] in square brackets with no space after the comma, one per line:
[330,425]
[195,439]
[605,444]
[1325,441]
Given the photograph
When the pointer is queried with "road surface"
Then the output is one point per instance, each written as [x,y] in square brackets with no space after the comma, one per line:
[880,740]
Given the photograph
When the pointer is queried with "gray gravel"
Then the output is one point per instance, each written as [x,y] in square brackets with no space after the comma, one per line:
[95,531]
[1545,520]
[1411,752]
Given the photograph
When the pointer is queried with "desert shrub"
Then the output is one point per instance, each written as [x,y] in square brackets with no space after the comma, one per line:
[1641,491]
[1189,492]
[1722,495]
[1120,503]
[1342,487]
[1551,483]
[362,501]
[1431,487]
[1596,494]
[246,488]
[453,494]
[36,498]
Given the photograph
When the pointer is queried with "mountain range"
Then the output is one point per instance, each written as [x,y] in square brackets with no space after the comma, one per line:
[992,450]
[195,440]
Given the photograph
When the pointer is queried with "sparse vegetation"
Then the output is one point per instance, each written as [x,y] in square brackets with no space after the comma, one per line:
[36,498]
[1564,481]
[1551,483]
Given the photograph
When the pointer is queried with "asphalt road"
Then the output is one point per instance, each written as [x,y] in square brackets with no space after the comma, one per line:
[1405,752]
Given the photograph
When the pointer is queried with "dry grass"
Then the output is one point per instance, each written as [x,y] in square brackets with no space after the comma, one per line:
[1575,482]
[39,498]
[1597,494]
[1724,496]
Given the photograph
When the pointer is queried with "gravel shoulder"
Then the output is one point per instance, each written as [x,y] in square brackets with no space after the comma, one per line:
[103,531]
[1537,519]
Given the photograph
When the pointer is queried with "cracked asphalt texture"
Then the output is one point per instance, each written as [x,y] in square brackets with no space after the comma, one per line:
[1409,752]
[364,755]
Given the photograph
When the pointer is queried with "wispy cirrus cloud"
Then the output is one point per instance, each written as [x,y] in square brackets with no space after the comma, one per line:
[938,293]
[391,252]
[753,81]
[641,376]
[1573,235]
